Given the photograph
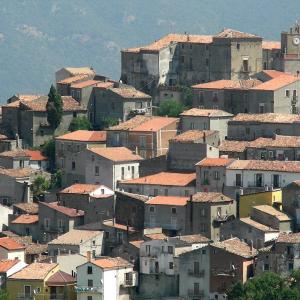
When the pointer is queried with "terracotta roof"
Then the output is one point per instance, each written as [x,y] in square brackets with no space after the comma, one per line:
[291,238]
[84,136]
[136,243]
[138,197]
[237,247]
[193,238]
[257,225]
[266,118]
[155,124]
[113,224]
[14,153]
[71,212]
[6,265]
[228,84]
[129,92]
[270,45]
[21,98]
[210,197]
[276,83]
[104,85]
[156,236]
[264,165]
[116,154]
[112,263]
[215,162]
[278,141]
[194,136]
[74,237]
[73,79]
[80,188]
[28,207]
[80,70]
[10,244]
[34,248]
[273,73]
[197,112]
[60,278]
[36,155]
[233,146]
[34,271]
[168,200]
[17,173]
[231,33]
[39,104]
[26,219]
[270,210]
[132,123]
[165,178]
[83,84]
[173,38]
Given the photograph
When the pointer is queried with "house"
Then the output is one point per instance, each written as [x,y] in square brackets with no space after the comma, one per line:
[186,149]
[55,219]
[37,159]
[96,200]
[41,280]
[106,278]
[77,241]
[26,225]
[14,159]
[233,149]
[130,209]
[28,119]
[205,119]
[10,249]
[281,257]
[8,268]
[231,261]
[30,208]
[208,211]
[148,136]
[163,183]
[69,72]
[290,202]
[167,212]
[69,146]
[248,127]
[211,174]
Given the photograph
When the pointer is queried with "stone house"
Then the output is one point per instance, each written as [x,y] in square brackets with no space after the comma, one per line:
[97,201]
[130,209]
[163,184]
[70,72]
[27,208]
[77,241]
[37,160]
[207,212]
[281,257]
[233,149]
[248,127]
[10,249]
[205,119]
[211,174]
[231,261]
[26,225]
[28,119]
[147,136]
[186,149]
[14,159]
[55,220]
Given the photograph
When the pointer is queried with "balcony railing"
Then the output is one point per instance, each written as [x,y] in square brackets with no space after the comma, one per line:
[194,273]
[196,293]
[88,289]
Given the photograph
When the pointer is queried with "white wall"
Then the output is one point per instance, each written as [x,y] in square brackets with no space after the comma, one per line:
[16,268]
[4,212]
[5,254]
[69,262]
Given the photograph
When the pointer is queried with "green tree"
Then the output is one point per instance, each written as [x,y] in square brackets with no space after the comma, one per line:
[40,185]
[170,108]
[54,108]
[4,295]
[108,122]
[187,96]
[80,123]
[48,149]
[56,179]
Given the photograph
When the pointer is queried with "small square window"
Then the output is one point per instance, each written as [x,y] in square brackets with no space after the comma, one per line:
[90,283]
[90,270]
[174,210]
[152,209]
[171,265]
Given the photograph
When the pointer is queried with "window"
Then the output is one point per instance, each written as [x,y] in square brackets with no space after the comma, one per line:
[143,141]
[21,163]
[258,180]
[97,170]
[204,252]
[166,192]
[60,224]
[47,223]
[202,227]
[238,180]
[152,209]
[247,130]
[89,298]
[78,94]
[74,114]
[261,108]
[182,59]
[173,210]
[291,266]
[148,249]
[123,172]
[196,267]
[27,290]
[192,125]
[42,132]
[287,93]
[170,249]
[155,192]
[90,270]
[238,46]
[216,175]
[171,265]
[112,105]
[245,64]
[132,171]
[73,165]
[186,192]
[90,283]
[202,212]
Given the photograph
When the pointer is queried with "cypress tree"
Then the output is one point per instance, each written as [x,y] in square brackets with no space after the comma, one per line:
[54,108]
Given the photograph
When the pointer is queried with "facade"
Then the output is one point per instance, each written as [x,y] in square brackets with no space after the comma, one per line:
[26,225]
[186,149]
[14,159]
[163,183]
[147,136]
[8,268]
[205,119]
[37,160]
[10,249]
[233,149]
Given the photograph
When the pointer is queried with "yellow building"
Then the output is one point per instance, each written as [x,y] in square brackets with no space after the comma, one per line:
[273,198]
[41,281]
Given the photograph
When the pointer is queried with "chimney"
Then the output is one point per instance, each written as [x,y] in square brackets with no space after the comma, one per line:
[88,256]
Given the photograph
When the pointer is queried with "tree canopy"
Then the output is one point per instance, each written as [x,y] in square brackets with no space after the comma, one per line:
[54,108]
[170,108]
[80,123]
[48,149]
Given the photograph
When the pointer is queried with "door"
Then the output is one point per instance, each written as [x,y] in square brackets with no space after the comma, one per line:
[259,180]
[276,181]
[27,291]
[238,179]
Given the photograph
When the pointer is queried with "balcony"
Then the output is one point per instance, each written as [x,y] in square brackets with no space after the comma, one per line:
[199,273]
[195,293]
[130,279]
[88,289]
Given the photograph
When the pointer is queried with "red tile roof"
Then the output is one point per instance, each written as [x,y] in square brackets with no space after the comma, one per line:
[104,85]
[83,84]
[210,197]
[168,200]
[112,263]
[10,244]
[30,208]
[165,179]
[215,162]
[132,123]
[266,118]
[273,73]
[35,155]
[113,224]
[129,93]
[270,45]
[281,141]
[155,124]
[14,153]
[72,79]
[116,154]
[231,33]
[197,112]
[80,188]
[233,146]
[26,219]
[84,136]
[228,84]
[5,265]
[60,278]
[71,212]
[193,136]
[270,210]
[291,238]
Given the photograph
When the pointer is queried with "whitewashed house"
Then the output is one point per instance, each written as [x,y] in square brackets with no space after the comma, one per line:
[10,249]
